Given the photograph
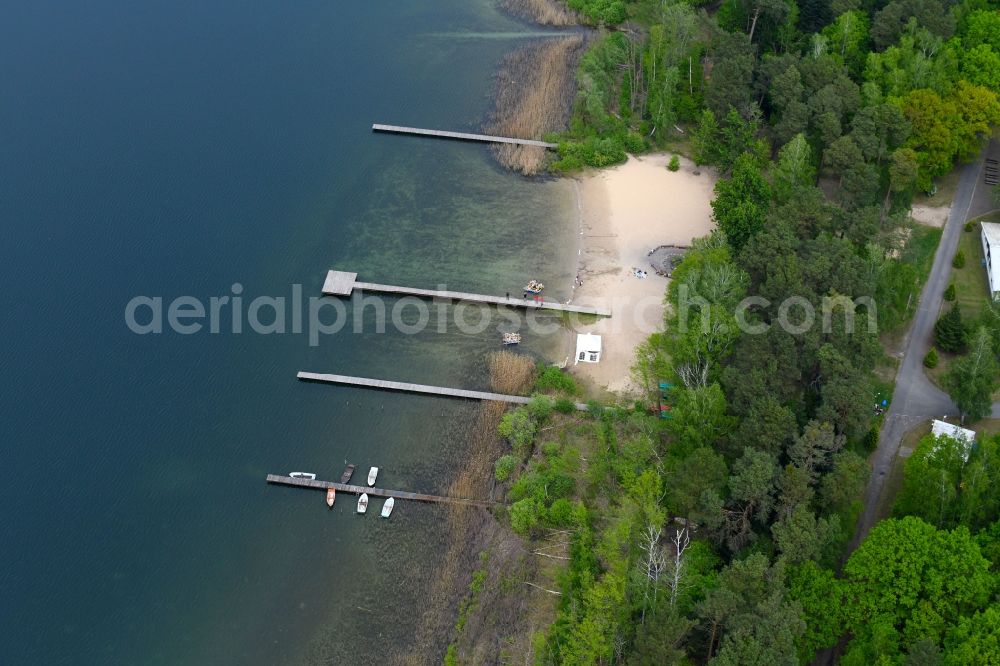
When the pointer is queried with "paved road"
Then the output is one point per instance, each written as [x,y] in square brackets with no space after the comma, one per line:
[915,398]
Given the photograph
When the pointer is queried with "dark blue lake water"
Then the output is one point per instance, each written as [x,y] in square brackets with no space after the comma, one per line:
[178,148]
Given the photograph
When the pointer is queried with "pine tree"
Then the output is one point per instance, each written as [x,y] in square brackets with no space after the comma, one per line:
[949,331]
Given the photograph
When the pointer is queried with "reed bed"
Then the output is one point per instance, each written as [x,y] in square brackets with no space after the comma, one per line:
[543,12]
[510,373]
[472,529]
[533,96]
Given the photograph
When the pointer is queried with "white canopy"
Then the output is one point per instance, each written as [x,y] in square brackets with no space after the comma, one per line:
[588,348]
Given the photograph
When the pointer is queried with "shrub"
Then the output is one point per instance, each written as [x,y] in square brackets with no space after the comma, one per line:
[553,379]
[505,466]
[565,406]
[675,163]
[561,513]
[551,449]
[519,429]
[870,442]
[959,260]
[949,293]
[969,226]
[595,409]
[949,331]
[524,515]
[931,358]
[540,407]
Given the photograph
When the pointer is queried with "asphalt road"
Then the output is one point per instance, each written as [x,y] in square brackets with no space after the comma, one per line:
[915,398]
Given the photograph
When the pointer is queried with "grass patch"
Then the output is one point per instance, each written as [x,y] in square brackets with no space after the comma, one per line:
[971,288]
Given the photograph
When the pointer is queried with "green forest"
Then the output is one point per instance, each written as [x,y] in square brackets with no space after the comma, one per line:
[722,534]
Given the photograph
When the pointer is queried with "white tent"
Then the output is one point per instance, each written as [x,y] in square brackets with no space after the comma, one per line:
[588,348]
[991,251]
[964,435]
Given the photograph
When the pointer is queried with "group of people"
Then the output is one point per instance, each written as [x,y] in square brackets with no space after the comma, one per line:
[639,273]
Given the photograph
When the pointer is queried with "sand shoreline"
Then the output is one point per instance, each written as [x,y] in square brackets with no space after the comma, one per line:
[624,212]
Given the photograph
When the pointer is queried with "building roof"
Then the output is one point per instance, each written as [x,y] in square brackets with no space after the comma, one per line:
[964,435]
[991,233]
[588,342]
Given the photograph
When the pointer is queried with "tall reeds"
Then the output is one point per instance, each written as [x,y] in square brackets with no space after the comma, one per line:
[533,96]
[543,12]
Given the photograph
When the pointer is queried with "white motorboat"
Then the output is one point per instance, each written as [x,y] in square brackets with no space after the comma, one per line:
[372,475]
[303,475]
[363,503]
[331,496]
[387,507]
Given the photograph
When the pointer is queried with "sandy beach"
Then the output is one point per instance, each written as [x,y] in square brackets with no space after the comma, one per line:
[625,212]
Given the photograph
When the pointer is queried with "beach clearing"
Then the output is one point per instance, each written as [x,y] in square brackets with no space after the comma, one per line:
[625,212]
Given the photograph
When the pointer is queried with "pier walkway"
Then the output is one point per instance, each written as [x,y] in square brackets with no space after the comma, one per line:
[374,492]
[419,388]
[464,136]
[342,283]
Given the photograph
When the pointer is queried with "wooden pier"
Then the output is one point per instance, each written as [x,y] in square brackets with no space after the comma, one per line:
[419,388]
[342,283]
[464,136]
[375,492]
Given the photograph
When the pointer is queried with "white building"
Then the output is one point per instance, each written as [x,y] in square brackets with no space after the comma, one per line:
[991,251]
[964,435]
[588,348]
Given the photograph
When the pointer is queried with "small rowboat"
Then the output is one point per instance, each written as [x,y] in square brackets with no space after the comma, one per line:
[303,475]
[363,503]
[331,496]
[534,287]
[372,475]
[346,476]
[511,338]
[387,507]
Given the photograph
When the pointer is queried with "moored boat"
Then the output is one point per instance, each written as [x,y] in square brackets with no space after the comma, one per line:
[387,507]
[303,475]
[511,338]
[331,496]
[372,475]
[346,476]
[363,503]
[534,287]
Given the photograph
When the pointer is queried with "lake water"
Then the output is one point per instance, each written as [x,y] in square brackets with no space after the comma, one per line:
[178,148]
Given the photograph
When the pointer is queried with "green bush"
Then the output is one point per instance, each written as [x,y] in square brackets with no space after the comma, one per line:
[551,449]
[949,293]
[524,515]
[552,378]
[870,442]
[675,163]
[950,333]
[540,407]
[959,260]
[931,358]
[565,406]
[505,466]
[519,429]
[969,226]
[561,513]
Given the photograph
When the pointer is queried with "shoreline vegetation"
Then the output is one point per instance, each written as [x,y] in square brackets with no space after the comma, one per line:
[720,534]
[533,97]
[542,12]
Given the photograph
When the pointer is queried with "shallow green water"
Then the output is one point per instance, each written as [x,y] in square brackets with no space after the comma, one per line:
[170,149]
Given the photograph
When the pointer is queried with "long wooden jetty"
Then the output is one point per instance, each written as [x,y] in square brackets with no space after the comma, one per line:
[419,388]
[375,492]
[343,283]
[464,136]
